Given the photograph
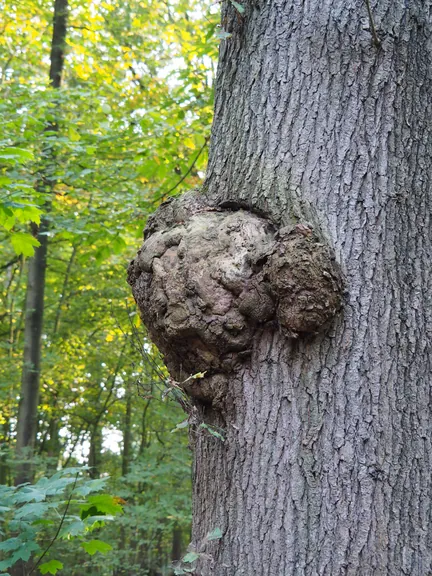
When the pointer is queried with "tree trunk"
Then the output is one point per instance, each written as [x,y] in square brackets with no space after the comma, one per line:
[29,397]
[4,442]
[323,118]
[177,543]
[127,431]
[326,464]
[94,457]
[53,445]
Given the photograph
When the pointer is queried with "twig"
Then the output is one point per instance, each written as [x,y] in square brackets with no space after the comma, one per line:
[85,28]
[135,337]
[189,170]
[375,36]
[11,263]
[59,527]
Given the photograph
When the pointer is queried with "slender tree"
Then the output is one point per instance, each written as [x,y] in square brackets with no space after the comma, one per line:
[29,397]
[127,431]
[322,133]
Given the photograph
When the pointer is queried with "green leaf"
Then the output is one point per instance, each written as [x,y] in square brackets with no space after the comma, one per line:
[95,520]
[32,510]
[101,504]
[57,483]
[51,567]
[27,212]
[91,486]
[74,529]
[23,553]
[103,253]
[94,546]
[73,134]
[237,6]
[10,544]
[7,221]
[42,522]
[223,34]
[88,511]
[24,243]
[212,431]
[15,154]
[190,557]
[118,245]
[181,425]
[215,534]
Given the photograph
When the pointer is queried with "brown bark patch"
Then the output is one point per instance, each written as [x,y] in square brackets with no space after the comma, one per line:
[205,280]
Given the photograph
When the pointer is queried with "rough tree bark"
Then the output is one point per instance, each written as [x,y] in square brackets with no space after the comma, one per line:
[323,121]
[34,305]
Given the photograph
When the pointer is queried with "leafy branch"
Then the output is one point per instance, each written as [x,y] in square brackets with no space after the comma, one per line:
[59,526]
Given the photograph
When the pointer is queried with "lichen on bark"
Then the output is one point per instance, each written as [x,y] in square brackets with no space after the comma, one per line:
[207,279]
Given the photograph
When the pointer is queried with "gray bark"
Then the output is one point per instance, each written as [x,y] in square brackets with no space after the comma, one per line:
[326,464]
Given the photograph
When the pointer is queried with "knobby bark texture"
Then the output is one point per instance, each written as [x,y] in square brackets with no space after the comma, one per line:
[34,305]
[325,467]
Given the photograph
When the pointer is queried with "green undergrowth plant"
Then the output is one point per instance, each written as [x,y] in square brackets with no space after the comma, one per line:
[65,506]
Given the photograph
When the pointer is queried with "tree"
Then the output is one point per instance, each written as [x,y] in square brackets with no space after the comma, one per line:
[34,307]
[321,148]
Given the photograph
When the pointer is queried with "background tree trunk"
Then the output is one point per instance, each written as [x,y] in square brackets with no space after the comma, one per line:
[127,431]
[326,465]
[94,457]
[34,306]
[177,543]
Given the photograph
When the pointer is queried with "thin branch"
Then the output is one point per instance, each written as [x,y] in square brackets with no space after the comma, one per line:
[64,288]
[135,337]
[59,527]
[5,68]
[375,36]
[11,263]
[168,192]
[86,28]
[74,445]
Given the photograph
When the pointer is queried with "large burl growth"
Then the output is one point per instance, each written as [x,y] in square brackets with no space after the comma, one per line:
[206,279]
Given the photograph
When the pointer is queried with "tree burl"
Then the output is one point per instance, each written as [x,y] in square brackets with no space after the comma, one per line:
[207,279]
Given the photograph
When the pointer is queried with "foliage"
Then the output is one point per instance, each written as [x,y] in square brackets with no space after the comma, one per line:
[18,199]
[54,507]
[132,123]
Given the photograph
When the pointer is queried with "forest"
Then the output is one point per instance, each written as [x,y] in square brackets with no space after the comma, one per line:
[127,127]
[215,275]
